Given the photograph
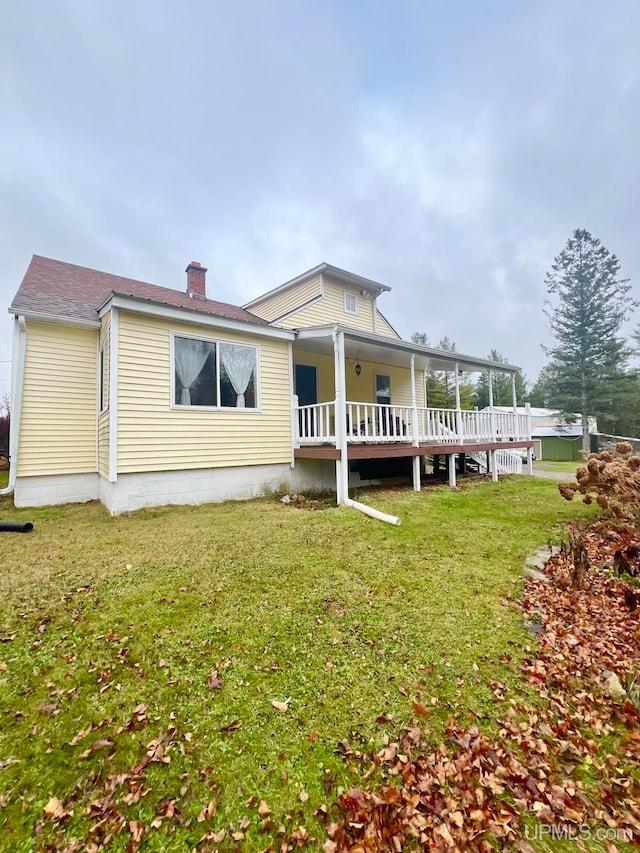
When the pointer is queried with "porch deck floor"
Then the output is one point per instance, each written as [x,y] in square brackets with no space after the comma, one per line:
[390,449]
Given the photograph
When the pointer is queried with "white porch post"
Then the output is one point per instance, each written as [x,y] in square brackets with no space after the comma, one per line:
[342,464]
[458,410]
[415,430]
[494,467]
[451,457]
[527,407]
[514,399]
[492,416]
[492,453]
[295,427]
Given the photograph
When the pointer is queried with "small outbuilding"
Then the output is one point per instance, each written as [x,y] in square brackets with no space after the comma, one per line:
[553,439]
[558,443]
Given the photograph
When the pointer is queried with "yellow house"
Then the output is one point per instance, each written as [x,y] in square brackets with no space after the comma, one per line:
[142,395]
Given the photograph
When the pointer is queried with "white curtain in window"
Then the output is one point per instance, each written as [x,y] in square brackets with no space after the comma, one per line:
[190,358]
[239,362]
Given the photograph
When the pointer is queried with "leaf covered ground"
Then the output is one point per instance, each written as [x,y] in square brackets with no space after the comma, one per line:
[569,761]
[223,677]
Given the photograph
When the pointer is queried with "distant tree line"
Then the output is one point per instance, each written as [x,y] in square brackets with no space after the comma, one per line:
[441,384]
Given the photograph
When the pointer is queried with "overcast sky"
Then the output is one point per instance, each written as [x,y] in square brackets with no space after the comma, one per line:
[446,149]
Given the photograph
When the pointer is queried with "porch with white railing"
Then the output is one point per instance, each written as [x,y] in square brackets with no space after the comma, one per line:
[375,423]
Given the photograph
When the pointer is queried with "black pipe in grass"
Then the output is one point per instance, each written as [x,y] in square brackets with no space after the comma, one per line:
[15,527]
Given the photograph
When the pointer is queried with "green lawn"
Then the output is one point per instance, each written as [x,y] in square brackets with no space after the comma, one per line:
[343,617]
[4,479]
[568,468]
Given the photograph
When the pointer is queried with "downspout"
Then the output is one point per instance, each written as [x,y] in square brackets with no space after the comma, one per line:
[114,345]
[342,481]
[17,385]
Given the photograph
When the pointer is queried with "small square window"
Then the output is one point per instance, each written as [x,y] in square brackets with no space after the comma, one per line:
[350,303]
[383,389]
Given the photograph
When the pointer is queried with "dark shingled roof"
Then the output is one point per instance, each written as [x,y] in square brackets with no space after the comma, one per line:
[73,292]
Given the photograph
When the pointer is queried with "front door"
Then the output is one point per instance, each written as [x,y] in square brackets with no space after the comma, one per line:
[306,384]
[306,387]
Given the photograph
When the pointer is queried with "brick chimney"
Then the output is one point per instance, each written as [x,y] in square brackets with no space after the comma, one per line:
[196,280]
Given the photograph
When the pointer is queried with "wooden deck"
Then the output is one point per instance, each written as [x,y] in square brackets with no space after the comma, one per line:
[388,450]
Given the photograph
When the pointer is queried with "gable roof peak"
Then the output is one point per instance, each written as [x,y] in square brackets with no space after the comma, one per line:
[344,277]
[74,292]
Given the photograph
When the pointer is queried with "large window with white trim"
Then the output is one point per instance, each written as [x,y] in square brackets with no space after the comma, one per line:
[214,374]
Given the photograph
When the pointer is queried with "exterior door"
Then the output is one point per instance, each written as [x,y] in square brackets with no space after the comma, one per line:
[306,384]
[306,387]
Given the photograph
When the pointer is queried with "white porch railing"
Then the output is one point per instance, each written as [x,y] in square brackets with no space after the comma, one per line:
[375,423]
[493,426]
[507,461]
[438,425]
[316,423]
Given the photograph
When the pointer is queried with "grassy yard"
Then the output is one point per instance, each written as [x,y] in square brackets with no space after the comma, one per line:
[568,468]
[206,615]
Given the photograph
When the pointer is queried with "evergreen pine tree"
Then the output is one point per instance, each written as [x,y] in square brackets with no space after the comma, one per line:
[591,303]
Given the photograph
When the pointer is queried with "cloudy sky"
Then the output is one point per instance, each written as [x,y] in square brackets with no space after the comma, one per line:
[446,149]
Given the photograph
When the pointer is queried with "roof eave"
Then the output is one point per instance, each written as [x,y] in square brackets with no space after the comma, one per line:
[57,319]
[188,315]
[465,362]
[336,273]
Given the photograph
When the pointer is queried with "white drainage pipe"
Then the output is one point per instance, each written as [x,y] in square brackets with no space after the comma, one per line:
[374,513]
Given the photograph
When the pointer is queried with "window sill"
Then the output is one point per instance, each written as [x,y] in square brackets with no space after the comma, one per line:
[178,408]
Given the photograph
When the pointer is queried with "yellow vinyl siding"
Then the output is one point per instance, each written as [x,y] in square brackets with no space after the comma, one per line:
[325,373]
[153,436]
[330,309]
[58,423]
[272,307]
[384,328]
[103,417]
[362,389]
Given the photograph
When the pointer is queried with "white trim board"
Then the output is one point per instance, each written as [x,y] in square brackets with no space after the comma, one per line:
[183,315]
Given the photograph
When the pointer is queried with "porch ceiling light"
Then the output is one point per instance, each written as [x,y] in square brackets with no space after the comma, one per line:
[358,368]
